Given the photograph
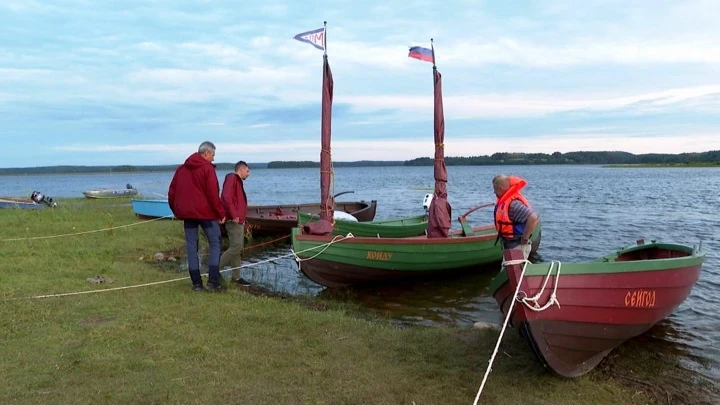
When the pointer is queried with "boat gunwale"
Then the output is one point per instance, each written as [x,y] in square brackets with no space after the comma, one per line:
[456,237]
[601,267]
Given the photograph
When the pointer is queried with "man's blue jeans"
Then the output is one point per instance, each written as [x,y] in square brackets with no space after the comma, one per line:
[212,232]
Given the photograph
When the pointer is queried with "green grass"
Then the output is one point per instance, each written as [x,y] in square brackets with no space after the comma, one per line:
[166,344]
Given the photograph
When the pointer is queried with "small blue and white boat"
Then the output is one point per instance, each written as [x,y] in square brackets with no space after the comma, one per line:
[152,208]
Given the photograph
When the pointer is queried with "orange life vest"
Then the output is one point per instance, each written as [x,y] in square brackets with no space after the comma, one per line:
[505,227]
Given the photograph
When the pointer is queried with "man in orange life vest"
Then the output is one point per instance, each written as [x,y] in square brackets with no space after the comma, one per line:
[515,220]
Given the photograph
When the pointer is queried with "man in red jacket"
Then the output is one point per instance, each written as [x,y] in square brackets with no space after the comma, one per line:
[234,201]
[194,197]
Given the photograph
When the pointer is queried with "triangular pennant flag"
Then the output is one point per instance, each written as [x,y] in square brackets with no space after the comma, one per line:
[315,38]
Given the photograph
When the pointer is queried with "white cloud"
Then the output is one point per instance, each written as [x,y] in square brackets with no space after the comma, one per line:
[523,53]
[524,105]
[208,84]
[216,52]
[9,75]
[273,10]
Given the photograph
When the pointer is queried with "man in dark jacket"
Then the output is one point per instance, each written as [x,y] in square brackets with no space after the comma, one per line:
[194,197]
[234,201]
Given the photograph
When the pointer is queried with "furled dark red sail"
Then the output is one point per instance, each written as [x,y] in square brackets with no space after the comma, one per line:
[327,203]
[440,211]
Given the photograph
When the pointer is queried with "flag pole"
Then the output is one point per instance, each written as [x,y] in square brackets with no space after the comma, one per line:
[324,38]
[432,48]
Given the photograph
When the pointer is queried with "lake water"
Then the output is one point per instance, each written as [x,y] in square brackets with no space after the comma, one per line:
[587,211]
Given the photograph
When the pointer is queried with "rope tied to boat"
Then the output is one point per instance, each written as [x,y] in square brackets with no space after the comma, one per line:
[324,247]
[524,262]
[532,303]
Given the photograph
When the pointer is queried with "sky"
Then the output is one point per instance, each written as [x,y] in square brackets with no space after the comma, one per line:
[145,82]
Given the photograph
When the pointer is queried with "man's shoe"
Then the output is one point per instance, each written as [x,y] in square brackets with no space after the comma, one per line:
[197,287]
[215,287]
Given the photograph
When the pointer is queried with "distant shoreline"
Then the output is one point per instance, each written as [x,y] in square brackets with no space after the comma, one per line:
[662,165]
[610,159]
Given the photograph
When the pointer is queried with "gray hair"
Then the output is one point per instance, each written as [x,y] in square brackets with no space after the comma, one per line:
[500,181]
[206,146]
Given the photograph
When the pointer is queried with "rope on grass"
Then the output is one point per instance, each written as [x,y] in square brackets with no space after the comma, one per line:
[84,232]
[255,246]
[160,282]
[535,307]
[507,318]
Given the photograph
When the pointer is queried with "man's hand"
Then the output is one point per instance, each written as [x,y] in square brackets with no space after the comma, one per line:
[222,221]
[236,220]
[526,247]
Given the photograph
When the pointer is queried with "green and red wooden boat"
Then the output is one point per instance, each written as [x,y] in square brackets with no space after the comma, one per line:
[337,262]
[388,228]
[598,305]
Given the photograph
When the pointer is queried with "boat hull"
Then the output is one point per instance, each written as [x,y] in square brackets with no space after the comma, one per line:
[103,194]
[20,203]
[601,304]
[280,219]
[368,260]
[151,209]
[393,228]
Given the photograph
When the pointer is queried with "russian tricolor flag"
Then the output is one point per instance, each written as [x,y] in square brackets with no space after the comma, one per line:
[422,53]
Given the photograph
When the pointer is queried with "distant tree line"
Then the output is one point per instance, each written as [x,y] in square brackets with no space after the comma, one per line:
[109,169]
[710,158]
[307,163]
[575,158]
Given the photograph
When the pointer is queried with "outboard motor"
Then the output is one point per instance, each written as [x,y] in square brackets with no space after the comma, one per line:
[39,198]
[426,201]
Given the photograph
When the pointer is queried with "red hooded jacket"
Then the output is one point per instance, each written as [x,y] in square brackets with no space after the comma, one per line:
[233,198]
[194,192]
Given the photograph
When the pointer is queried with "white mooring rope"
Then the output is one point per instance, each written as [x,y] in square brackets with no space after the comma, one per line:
[526,301]
[291,254]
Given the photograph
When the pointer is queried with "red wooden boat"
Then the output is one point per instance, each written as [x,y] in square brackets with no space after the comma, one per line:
[280,219]
[573,314]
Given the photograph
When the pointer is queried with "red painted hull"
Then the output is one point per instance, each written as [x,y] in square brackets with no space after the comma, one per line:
[280,219]
[596,313]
